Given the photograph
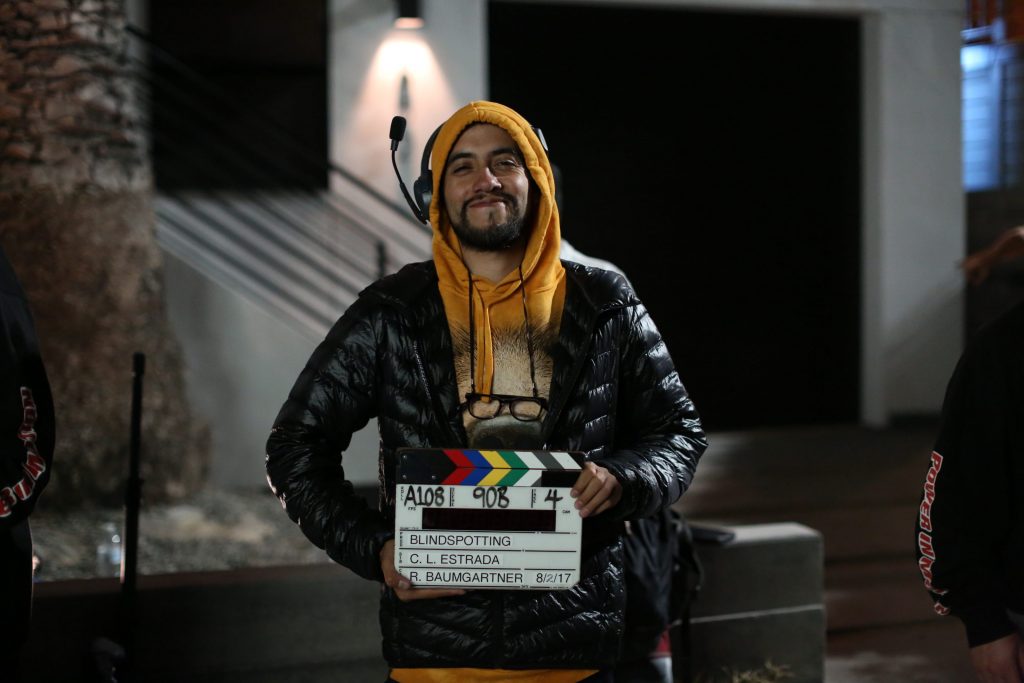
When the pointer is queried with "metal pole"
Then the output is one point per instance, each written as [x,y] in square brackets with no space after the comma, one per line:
[133,488]
[132,503]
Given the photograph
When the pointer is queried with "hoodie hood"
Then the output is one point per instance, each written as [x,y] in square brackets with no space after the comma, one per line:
[545,235]
[498,309]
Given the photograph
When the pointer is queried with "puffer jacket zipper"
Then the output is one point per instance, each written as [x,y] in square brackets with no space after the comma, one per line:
[418,355]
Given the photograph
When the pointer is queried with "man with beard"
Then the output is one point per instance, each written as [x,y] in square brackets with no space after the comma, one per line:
[494,343]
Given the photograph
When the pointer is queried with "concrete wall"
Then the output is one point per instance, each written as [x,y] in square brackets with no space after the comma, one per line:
[914,211]
[309,624]
[240,364]
[444,65]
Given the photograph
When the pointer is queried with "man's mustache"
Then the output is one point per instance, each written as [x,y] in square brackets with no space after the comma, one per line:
[490,196]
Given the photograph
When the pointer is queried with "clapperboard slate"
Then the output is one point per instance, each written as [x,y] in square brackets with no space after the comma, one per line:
[487,519]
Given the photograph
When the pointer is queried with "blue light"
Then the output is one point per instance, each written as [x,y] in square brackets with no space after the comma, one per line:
[975,57]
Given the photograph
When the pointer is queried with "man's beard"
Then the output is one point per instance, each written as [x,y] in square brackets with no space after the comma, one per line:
[493,237]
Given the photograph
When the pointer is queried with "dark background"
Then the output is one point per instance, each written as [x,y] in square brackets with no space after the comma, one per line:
[715,157]
[250,110]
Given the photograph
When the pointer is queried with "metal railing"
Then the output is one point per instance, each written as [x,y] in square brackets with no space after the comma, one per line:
[301,254]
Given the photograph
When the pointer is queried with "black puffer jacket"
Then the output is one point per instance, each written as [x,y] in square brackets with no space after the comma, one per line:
[614,395]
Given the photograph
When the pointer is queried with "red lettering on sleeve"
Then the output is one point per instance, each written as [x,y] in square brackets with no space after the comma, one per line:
[8,497]
[924,543]
[23,489]
[34,465]
[924,538]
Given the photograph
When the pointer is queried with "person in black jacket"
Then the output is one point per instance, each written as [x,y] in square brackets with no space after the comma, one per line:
[970,525]
[495,343]
[26,453]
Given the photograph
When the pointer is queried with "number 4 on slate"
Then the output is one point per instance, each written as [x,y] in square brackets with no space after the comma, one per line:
[553,497]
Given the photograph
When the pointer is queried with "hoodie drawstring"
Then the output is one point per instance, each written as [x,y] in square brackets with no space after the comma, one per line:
[472,336]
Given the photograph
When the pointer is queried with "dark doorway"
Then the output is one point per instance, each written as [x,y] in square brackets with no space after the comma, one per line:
[239,93]
[715,158]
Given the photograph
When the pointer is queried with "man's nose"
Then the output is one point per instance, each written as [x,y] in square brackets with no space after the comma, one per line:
[485,180]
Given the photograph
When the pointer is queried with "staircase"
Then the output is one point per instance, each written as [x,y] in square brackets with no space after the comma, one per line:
[302,254]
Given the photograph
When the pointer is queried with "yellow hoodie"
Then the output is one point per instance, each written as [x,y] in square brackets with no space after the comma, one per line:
[501,361]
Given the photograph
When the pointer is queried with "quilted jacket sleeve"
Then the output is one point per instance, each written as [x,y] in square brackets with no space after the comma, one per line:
[659,437]
[332,398]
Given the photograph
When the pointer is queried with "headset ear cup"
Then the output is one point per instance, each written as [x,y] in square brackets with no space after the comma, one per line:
[423,191]
[423,188]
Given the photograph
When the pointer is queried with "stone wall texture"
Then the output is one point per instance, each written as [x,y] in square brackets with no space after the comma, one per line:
[77,223]
[68,120]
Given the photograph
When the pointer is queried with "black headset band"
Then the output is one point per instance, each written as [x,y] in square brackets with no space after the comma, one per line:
[427,149]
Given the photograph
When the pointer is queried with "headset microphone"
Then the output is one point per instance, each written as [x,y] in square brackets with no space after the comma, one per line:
[397,133]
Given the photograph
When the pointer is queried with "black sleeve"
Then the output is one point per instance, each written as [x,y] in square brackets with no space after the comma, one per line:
[333,398]
[27,429]
[662,434]
[964,512]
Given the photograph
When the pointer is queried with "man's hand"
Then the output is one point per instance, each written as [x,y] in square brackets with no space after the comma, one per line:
[1007,247]
[402,586]
[977,266]
[1001,661]
[595,490]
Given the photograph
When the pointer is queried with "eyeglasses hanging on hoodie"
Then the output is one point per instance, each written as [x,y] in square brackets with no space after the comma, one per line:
[489,406]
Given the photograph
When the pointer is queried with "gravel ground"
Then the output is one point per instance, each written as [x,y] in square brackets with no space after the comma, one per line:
[215,529]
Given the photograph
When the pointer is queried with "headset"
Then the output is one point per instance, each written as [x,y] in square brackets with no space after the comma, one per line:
[423,186]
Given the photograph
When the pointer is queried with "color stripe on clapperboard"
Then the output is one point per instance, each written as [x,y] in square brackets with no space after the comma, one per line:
[504,468]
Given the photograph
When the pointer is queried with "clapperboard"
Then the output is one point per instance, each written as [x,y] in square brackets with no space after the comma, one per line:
[487,519]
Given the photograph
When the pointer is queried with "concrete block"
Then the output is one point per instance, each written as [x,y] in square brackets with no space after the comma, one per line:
[793,638]
[766,566]
[762,601]
[312,623]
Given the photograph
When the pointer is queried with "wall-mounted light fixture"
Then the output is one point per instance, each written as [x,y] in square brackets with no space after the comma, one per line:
[409,16]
